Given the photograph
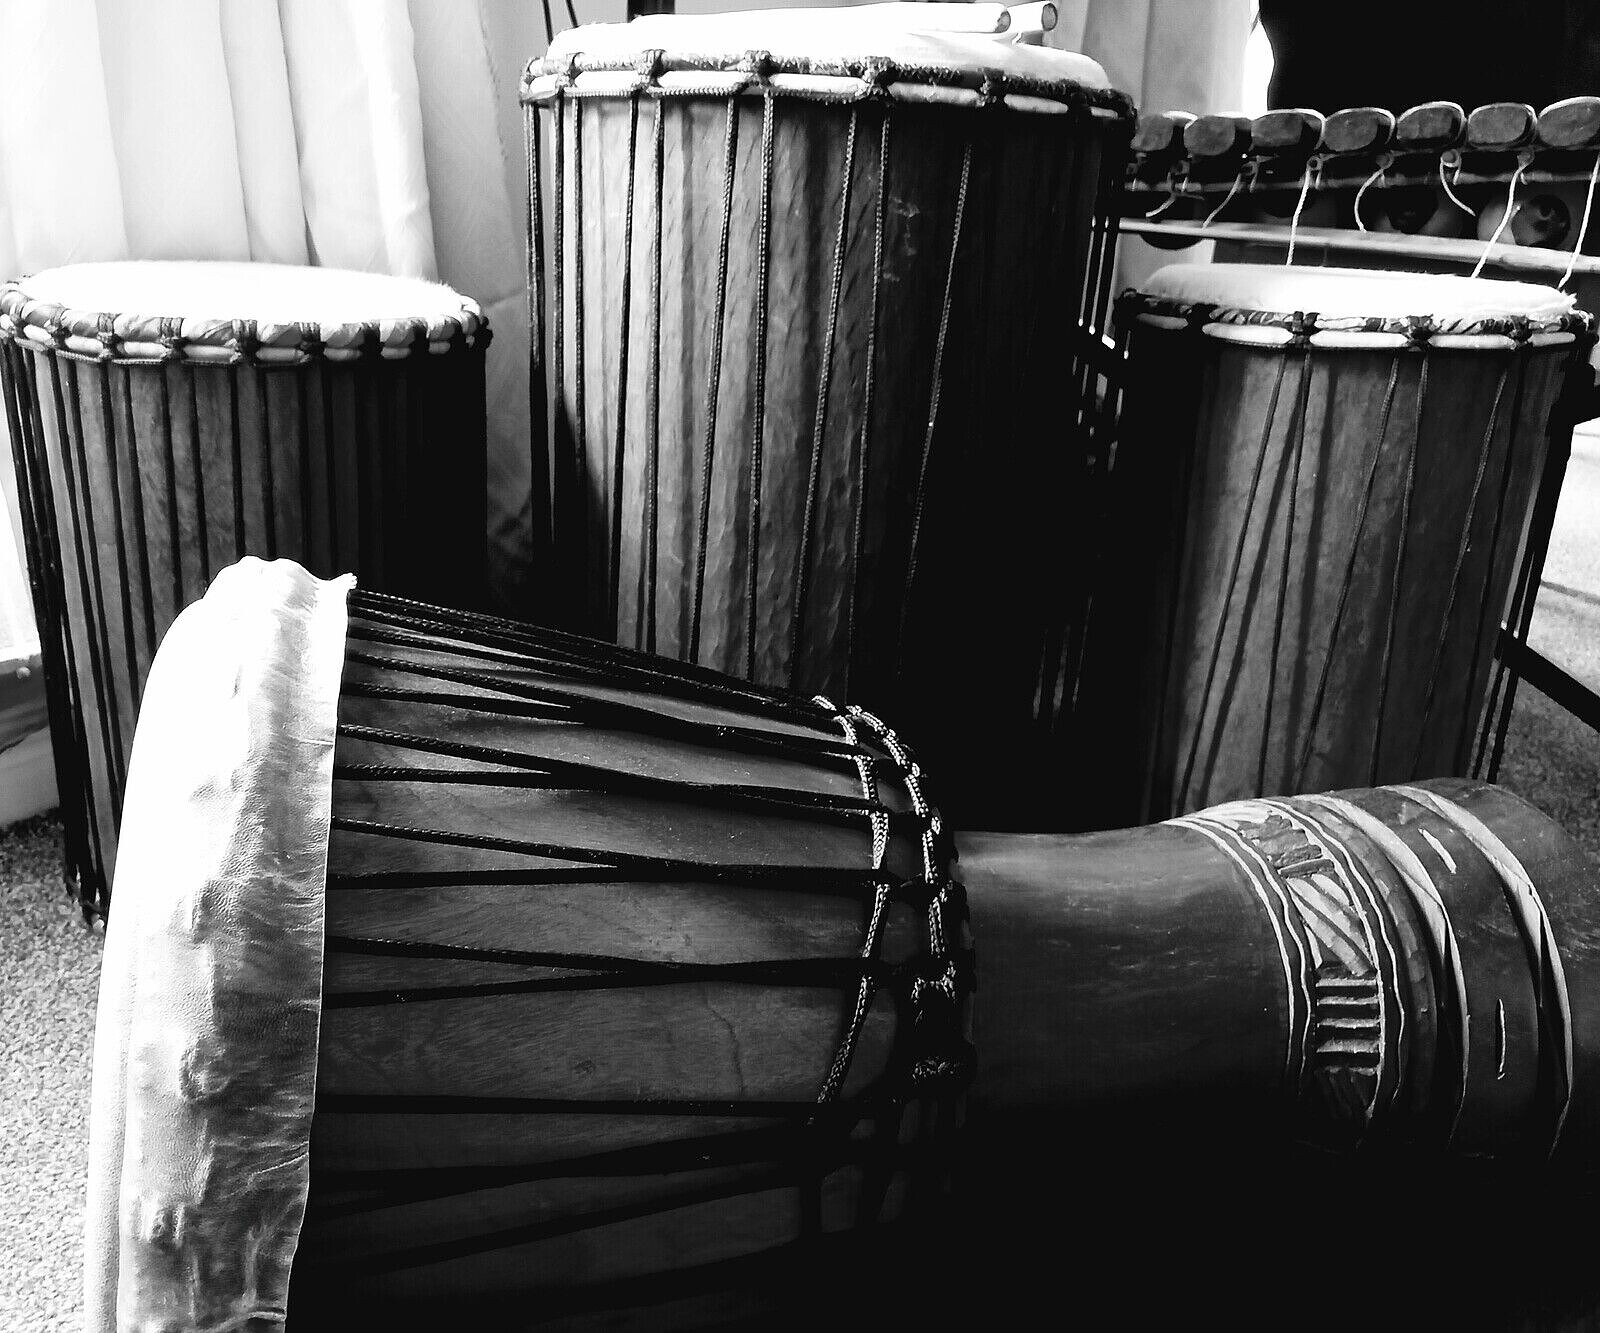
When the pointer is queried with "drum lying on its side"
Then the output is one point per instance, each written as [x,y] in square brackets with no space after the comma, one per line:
[1325,491]
[596,985]
[169,418]
[824,303]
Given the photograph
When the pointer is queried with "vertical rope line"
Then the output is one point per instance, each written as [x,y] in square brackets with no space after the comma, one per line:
[758,424]
[1583,226]
[47,582]
[303,412]
[83,522]
[1294,222]
[869,383]
[269,480]
[1297,427]
[1519,620]
[580,414]
[1462,548]
[651,495]
[1052,652]
[1109,223]
[1232,583]
[1528,586]
[1399,571]
[108,430]
[1464,742]
[1505,219]
[819,423]
[366,522]
[1349,577]
[549,24]
[1184,503]
[330,449]
[563,483]
[619,453]
[714,376]
[174,535]
[934,391]
[237,443]
[1092,177]
[538,387]
[196,462]
[140,535]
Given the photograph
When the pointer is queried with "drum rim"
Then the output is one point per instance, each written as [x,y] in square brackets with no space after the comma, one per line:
[143,338]
[1280,328]
[870,78]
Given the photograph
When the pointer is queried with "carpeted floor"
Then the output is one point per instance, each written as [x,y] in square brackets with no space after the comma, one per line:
[49,972]
[49,977]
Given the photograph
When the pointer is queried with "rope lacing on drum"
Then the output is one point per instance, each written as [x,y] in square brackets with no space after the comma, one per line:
[802,1142]
[172,339]
[1302,326]
[245,342]
[106,331]
[935,998]
[1419,332]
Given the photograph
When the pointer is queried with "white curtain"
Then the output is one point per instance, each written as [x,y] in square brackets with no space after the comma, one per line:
[359,134]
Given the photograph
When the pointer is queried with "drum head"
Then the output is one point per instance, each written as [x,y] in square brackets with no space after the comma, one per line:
[1342,293]
[203,305]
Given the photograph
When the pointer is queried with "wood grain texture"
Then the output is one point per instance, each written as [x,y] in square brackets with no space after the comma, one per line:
[1406,676]
[1347,969]
[877,533]
[150,478]
[1358,129]
[535,1109]
[1572,123]
[1431,127]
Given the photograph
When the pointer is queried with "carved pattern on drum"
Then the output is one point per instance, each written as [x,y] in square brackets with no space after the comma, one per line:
[1347,1020]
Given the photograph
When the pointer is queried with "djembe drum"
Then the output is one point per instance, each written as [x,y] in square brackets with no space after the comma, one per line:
[1322,520]
[807,278]
[592,980]
[168,418]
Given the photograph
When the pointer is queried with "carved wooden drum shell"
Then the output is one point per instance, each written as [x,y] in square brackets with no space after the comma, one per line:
[473,970]
[169,418]
[1322,520]
[823,363]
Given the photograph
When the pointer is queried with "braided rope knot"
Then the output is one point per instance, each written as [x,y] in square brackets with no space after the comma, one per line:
[245,341]
[1420,330]
[1301,325]
[755,62]
[106,332]
[170,334]
[940,1051]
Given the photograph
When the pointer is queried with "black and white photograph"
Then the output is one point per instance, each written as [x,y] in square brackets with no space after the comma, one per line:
[711,664]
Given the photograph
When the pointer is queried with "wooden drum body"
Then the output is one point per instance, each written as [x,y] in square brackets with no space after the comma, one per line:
[822,345]
[477,968]
[169,418]
[1322,519]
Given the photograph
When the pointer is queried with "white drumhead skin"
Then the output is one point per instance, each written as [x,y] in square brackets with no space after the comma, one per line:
[1355,293]
[833,36]
[205,1057]
[268,293]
